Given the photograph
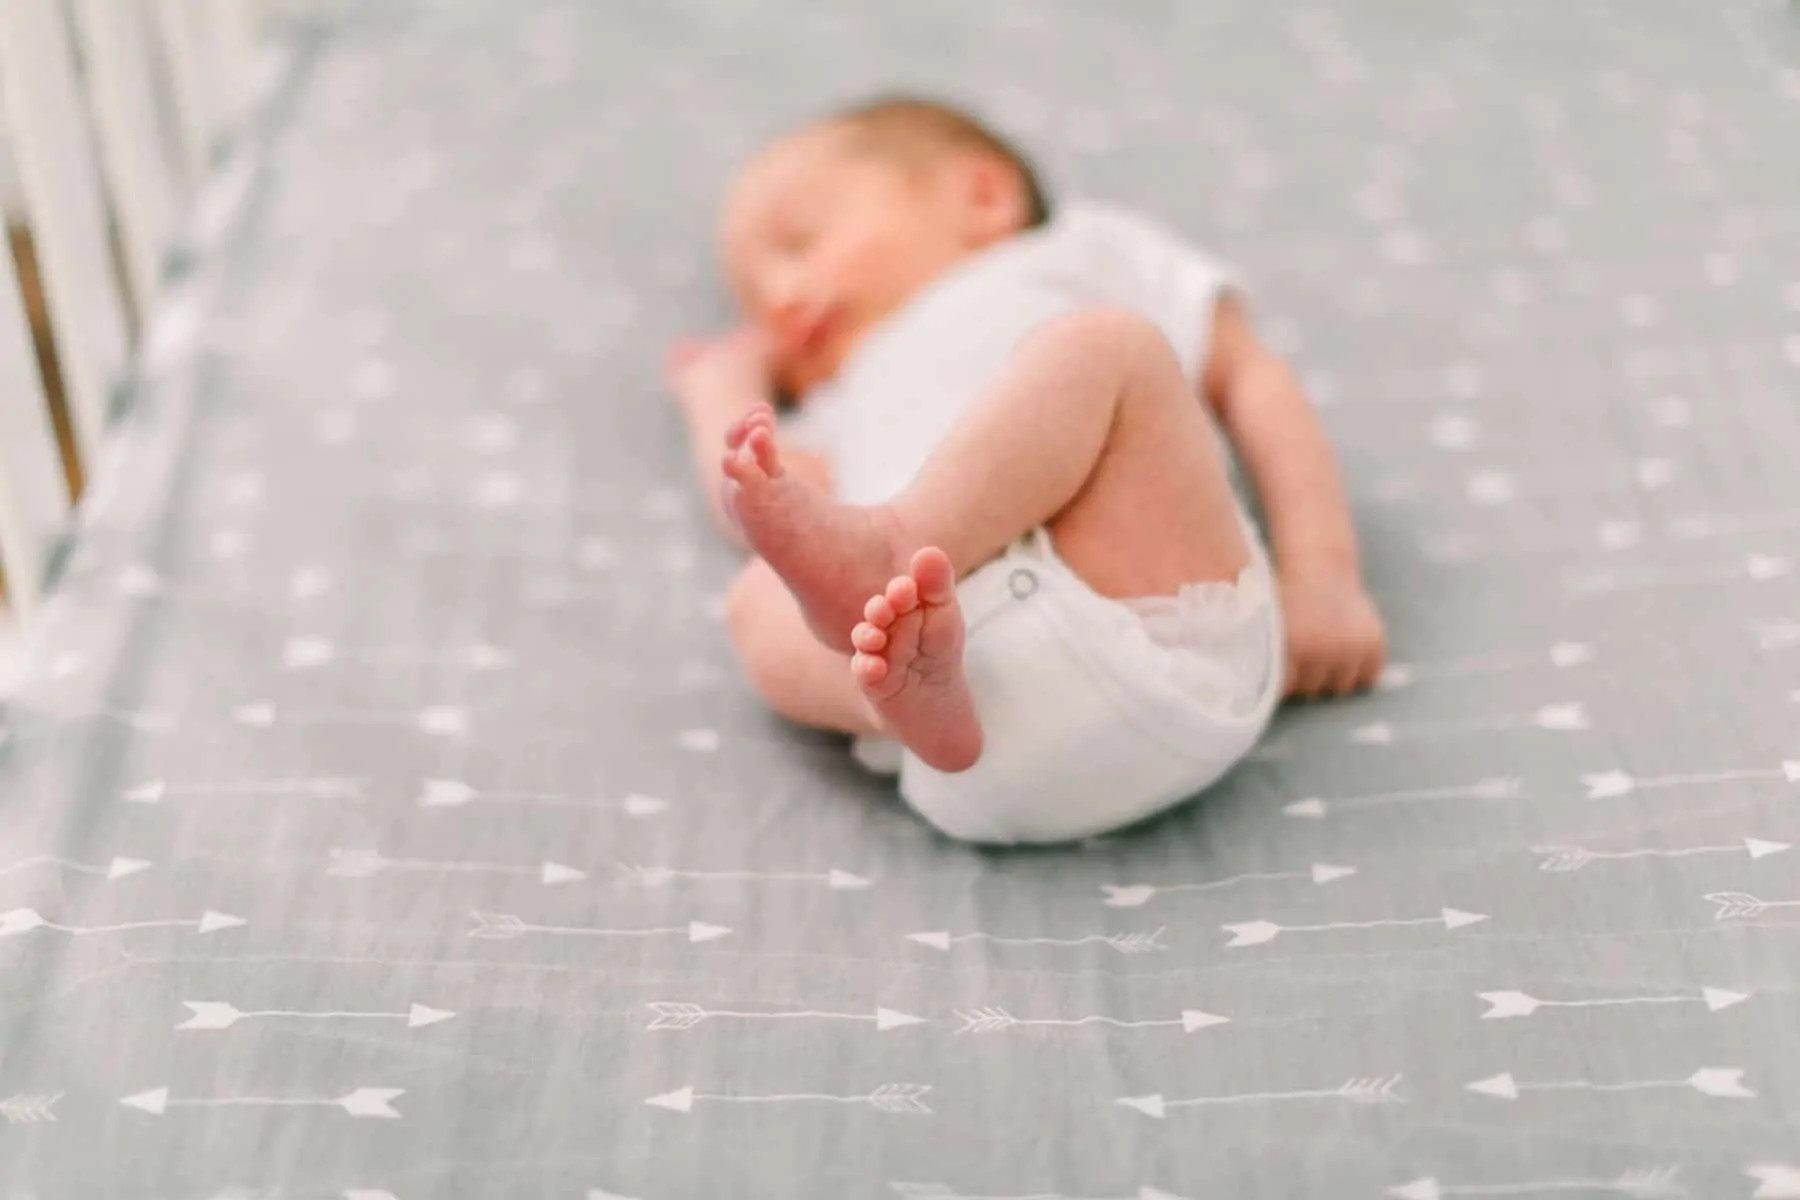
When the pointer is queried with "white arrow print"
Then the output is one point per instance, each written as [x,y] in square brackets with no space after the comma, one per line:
[308,583]
[1134,895]
[214,1014]
[650,877]
[1503,1005]
[304,654]
[990,1020]
[17,733]
[1459,548]
[1124,943]
[23,920]
[1255,933]
[1316,807]
[118,868]
[501,926]
[28,1110]
[1775,1181]
[700,741]
[1743,904]
[888,1098]
[674,1014]
[1778,636]
[942,1191]
[1607,785]
[1372,1090]
[455,793]
[1698,526]
[1757,567]
[1555,718]
[155,791]
[1721,1082]
[1562,656]
[360,864]
[142,583]
[1655,1182]
[555,593]
[442,720]
[363,1102]
[1573,858]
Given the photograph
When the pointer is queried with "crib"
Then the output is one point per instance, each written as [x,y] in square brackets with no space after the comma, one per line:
[121,125]
[383,815]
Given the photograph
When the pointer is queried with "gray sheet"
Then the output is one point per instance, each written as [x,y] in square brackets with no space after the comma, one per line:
[387,818]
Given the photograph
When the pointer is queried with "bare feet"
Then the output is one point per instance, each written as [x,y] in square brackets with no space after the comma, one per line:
[909,663]
[832,556]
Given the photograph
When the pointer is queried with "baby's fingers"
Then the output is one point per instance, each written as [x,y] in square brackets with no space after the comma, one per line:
[1372,663]
[1347,676]
[1307,676]
[681,354]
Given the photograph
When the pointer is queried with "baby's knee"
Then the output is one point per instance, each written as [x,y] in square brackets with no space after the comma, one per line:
[752,621]
[746,611]
[1117,340]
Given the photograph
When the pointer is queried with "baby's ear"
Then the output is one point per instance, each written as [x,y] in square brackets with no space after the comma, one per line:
[993,197]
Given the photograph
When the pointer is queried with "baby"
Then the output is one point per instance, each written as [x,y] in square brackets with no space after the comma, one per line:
[996,530]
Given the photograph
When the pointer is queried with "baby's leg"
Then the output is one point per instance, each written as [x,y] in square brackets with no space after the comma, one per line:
[789,667]
[906,682]
[1092,431]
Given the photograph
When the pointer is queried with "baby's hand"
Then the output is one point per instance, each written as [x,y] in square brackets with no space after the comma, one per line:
[1335,641]
[732,369]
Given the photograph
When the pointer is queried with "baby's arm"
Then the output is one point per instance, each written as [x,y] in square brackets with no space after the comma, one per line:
[1335,638]
[716,381]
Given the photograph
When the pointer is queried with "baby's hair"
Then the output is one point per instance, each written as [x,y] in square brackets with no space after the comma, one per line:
[915,119]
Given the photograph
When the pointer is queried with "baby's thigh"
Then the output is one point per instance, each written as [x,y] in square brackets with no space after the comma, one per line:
[790,669]
[1158,510]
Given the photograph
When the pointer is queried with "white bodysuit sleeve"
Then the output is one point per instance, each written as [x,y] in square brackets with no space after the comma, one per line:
[1129,261]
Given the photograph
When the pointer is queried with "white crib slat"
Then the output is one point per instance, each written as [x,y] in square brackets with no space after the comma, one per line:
[233,26]
[134,151]
[65,206]
[187,53]
[34,501]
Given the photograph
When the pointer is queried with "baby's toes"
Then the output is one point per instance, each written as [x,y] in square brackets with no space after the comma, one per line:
[870,639]
[740,466]
[869,669]
[903,594]
[935,577]
[760,442]
[879,613]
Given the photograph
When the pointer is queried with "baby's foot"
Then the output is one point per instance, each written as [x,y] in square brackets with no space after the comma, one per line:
[832,556]
[909,662]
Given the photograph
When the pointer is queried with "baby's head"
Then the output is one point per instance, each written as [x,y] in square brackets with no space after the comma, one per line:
[836,226]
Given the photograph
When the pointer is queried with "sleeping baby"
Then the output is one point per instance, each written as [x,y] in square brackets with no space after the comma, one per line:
[974,444]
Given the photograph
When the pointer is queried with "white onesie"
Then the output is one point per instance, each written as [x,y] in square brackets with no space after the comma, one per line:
[1096,712]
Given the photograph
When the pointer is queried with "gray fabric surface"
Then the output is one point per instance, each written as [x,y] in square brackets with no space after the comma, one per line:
[395,647]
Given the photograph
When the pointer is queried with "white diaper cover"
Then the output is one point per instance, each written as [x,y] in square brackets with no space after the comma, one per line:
[1096,713]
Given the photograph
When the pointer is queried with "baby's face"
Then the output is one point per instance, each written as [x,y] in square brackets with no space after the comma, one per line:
[823,238]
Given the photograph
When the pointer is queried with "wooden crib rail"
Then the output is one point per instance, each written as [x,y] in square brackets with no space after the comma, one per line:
[112,114]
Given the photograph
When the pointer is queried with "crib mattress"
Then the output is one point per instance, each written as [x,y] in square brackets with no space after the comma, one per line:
[385,815]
